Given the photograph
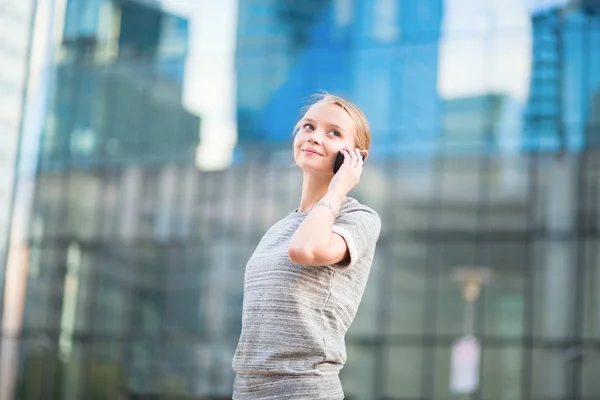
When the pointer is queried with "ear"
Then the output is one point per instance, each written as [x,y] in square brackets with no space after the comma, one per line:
[365,153]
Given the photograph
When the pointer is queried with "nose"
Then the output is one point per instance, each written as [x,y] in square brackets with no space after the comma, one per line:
[315,137]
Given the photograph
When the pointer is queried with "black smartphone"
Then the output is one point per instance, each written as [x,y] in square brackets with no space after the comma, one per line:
[339,160]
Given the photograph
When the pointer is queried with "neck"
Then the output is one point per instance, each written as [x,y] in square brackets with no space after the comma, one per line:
[314,187]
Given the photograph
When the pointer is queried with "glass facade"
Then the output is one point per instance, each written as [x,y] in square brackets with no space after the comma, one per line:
[372,52]
[16,18]
[564,81]
[125,266]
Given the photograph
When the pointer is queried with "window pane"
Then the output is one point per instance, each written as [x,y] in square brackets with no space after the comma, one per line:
[548,374]
[460,194]
[71,376]
[452,308]
[405,294]
[507,191]
[366,321]
[50,205]
[556,194]
[442,375]
[411,189]
[38,368]
[589,204]
[591,311]
[44,288]
[111,311]
[403,380]
[553,289]
[358,376]
[501,373]
[590,387]
[504,293]
[83,197]
[105,370]
[201,375]
[143,366]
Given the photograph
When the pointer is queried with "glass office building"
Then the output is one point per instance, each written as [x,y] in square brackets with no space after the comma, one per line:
[125,262]
[16,18]
[373,52]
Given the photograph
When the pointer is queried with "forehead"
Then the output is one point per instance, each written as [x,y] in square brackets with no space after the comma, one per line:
[330,113]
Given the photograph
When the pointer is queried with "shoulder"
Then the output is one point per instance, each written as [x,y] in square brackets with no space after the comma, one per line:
[354,212]
[353,206]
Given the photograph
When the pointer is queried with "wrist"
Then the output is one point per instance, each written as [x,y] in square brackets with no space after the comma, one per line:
[334,198]
[328,206]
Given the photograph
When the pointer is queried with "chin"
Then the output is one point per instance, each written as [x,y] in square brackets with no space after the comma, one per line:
[312,165]
[314,170]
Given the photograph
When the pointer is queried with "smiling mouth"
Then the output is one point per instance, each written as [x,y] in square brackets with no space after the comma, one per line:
[311,152]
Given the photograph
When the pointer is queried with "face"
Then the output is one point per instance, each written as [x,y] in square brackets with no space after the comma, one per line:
[324,130]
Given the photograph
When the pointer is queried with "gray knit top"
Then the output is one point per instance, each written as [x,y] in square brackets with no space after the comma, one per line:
[295,317]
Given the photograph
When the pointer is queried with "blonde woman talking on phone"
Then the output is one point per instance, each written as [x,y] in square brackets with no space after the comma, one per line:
[304,282]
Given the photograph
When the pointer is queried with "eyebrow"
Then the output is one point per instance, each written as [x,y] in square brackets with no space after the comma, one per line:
[330,125]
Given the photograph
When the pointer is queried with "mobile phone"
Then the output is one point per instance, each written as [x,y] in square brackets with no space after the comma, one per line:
[339,160]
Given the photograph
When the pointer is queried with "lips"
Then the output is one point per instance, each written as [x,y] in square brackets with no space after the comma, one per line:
[311,151]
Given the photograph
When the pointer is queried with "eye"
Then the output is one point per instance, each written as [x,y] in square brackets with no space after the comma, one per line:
[335,133]
[308,126]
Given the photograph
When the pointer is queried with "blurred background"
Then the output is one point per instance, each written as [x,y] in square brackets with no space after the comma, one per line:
[145,147]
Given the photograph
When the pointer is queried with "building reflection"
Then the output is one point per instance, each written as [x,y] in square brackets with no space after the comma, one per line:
[135,258]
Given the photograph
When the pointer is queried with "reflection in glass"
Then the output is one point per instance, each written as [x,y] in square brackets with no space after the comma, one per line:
[504,296]
[406,282]
[548,373]
[553,289]
[441,373]
[501,373]
[357,378]
[403,372]
[460,192]
[591,288]
[136,256]
[590,385]
[452,307]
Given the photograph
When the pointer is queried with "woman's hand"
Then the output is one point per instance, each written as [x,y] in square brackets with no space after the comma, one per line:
[349,173]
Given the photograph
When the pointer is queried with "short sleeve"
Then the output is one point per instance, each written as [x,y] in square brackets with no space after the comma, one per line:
[360,228]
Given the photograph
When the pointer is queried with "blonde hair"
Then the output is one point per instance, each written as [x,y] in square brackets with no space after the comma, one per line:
[363,132]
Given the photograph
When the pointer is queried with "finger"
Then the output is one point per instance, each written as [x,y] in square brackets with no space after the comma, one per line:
[347,157]
[352,158]
[357,158]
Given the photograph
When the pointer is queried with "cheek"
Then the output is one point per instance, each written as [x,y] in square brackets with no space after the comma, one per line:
[298,140]
[297,144]
[349,144]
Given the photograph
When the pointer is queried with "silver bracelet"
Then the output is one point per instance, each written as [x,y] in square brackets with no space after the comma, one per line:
[322,203]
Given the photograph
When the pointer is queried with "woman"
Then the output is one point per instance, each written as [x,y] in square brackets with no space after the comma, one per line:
[304,282]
